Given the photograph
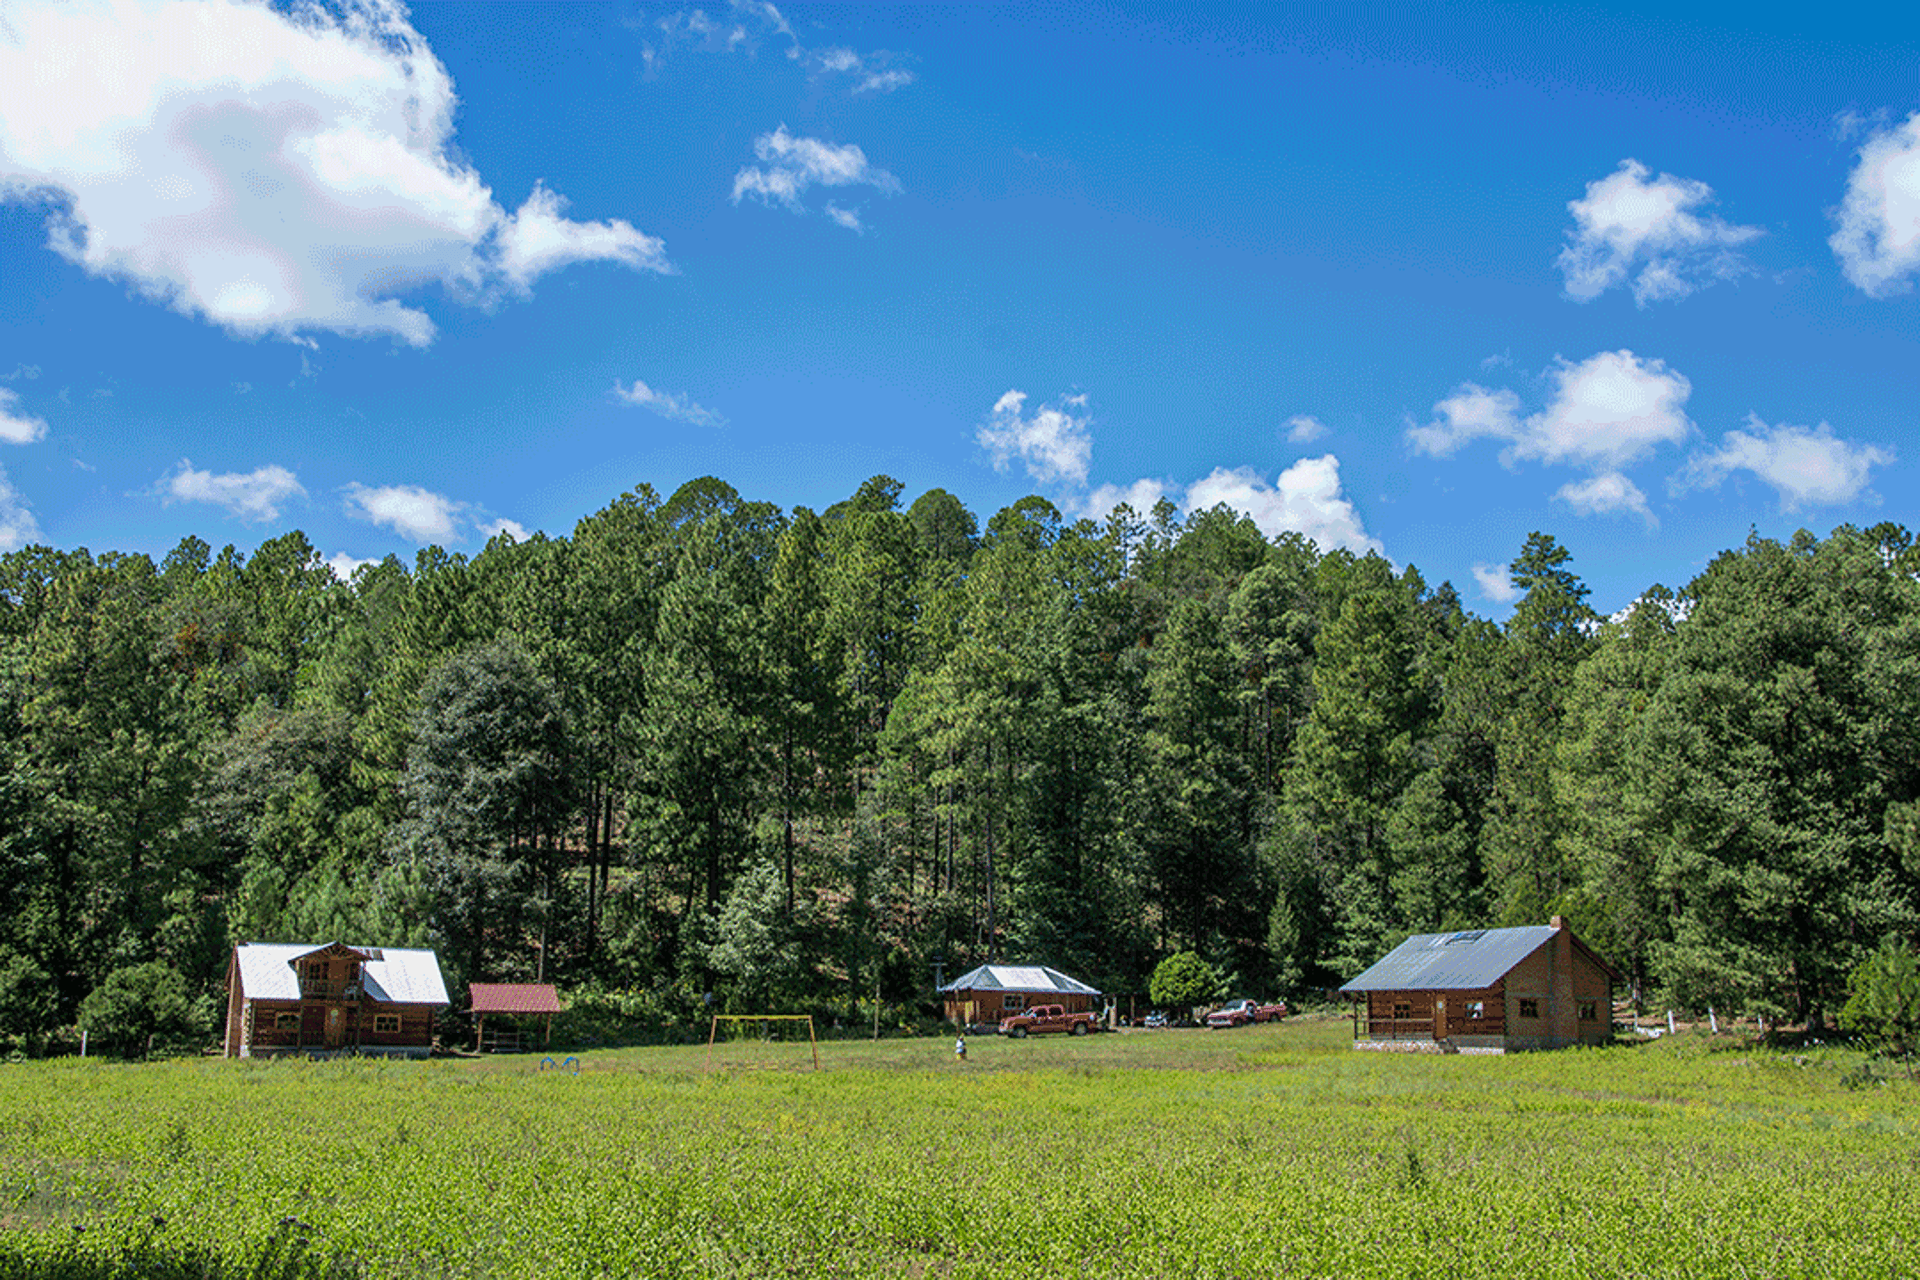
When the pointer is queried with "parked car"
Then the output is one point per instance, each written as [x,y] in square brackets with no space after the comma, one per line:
[1042,1018]
[1238,1013]
[1157,1019]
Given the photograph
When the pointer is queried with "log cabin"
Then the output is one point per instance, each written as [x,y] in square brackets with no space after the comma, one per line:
[991,992]
[1485,991]
[328,999]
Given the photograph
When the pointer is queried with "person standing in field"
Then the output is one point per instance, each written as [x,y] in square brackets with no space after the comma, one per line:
[960,1048]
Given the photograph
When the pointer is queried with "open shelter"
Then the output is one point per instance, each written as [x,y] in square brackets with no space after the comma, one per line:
[511,1005]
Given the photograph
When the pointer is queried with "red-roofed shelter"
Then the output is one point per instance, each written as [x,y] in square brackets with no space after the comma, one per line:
[512,1001]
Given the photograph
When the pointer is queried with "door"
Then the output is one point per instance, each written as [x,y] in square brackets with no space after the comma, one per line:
[336,1027]
[1439,1017]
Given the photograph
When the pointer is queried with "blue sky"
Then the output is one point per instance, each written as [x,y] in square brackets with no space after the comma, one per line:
[1424,285]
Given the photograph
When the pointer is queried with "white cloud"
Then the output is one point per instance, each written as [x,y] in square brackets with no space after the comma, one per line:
[16,425]
[1807,466]
[797,163]
[17,525]
[27,371]
[256,495]
[274,173]
[1141,495]
[1054,444]
[242,388]
[1607,411]
[1878,236]
[1304,428]
[1606,493]
[848,218]
[667,404]
[407,509]
[1306,499]
[343,565]
[1469,413]
[1496,583]
[512,528]
[1627,222]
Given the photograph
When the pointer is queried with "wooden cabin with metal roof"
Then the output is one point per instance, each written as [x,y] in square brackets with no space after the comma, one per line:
[1485,991]
[989,993]
[327,999]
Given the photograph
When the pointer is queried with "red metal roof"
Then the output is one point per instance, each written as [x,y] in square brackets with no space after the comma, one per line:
[514,997]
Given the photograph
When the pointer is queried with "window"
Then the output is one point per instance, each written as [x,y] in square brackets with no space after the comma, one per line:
[386,1024]
[1589,1011]
[1529,1006]
[1402,1009]
[286,1022]
[1476,1008]
[1013,1000]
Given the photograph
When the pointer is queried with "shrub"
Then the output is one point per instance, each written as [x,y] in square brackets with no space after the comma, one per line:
[138,1005]
[1183,980]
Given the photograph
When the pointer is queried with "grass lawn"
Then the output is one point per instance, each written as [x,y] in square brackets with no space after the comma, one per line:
[1267,1151]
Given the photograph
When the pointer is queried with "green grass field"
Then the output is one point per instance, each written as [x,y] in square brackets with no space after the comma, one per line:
[1270,1151]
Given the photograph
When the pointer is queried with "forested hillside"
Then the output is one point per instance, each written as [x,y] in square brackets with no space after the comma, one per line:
[794,759]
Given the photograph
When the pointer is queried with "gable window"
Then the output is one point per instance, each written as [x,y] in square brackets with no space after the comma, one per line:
[286,1022]
[1589,1011]
[1529,1006]
[386,1023]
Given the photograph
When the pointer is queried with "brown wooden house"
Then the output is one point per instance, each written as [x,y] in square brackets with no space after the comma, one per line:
[991,992]
[325,999]
[1485,991]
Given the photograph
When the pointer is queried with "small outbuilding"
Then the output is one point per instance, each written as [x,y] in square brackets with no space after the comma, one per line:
[1485,991]
[326,999]
[513,1007]
[991,992]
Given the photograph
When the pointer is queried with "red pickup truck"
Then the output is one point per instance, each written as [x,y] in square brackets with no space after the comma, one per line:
[1238,1013]
[1043,1018]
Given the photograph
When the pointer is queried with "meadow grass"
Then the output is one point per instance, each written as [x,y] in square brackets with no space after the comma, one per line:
[1268,1151]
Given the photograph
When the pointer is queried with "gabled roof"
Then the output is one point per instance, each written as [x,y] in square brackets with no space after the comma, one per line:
[1466,961]
[391,975]
[514,997]
[1032,978]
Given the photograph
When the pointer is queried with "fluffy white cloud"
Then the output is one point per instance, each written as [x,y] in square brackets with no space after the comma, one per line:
[1141,495]
[273,172]
[1304,428]
[1878,236]
[1496,583]
[794,164]
[1054,444]
[17,426]
[344,565]
[1604,494]
[1305,499]
[1465,416]
[17,525]
[512,528]
[848,218]
[1607,411]
[1807,466]
[407,509]
[1633,226]
[256,495]
[883,81]
[667,404]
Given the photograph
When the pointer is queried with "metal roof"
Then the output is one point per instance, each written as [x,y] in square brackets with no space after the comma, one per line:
[1020,977]
[392,975]
[1466,961]
[514,997]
